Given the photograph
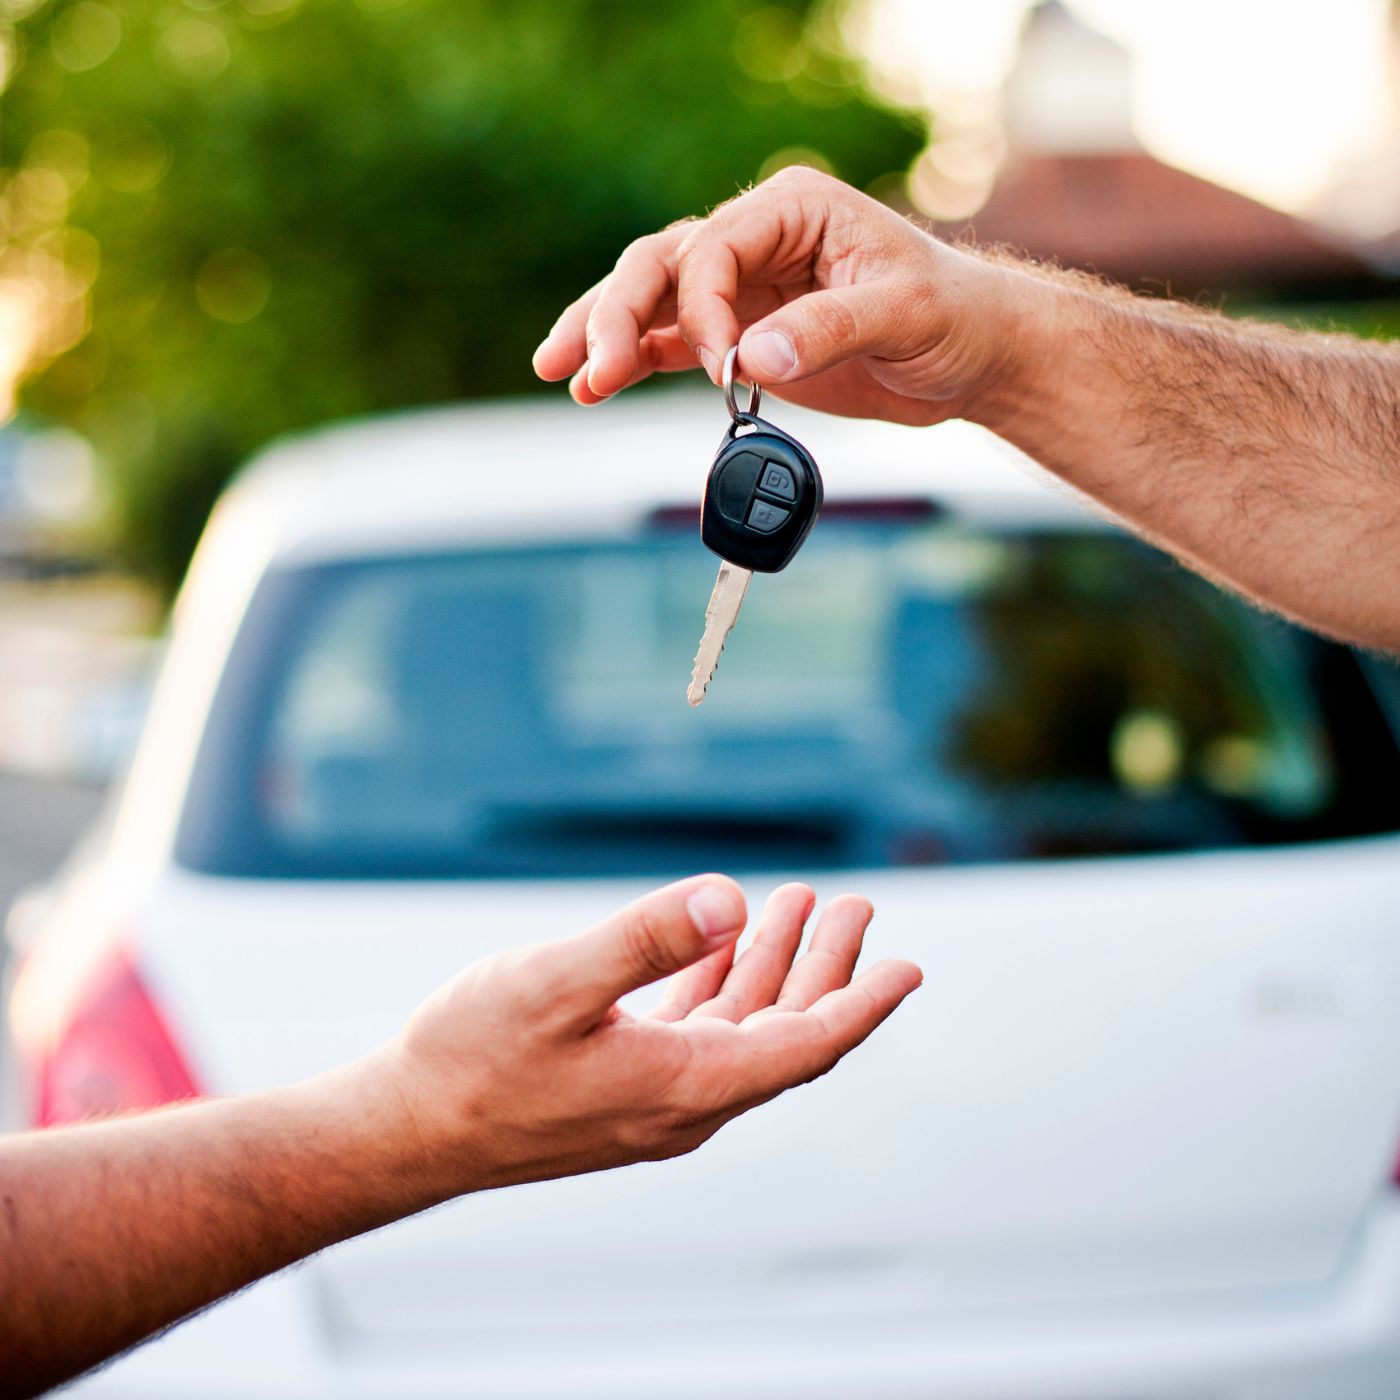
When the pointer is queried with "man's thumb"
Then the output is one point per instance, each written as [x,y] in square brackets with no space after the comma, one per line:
[650,939]
[812,334]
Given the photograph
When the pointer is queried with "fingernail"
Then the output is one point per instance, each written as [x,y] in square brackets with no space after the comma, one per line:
[769,354]
[710,363]
[714,910]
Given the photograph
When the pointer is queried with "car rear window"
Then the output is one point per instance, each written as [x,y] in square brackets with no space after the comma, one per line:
[908,693]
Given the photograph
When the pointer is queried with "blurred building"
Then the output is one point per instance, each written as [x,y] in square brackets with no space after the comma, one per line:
[1364,199]
[1076,187]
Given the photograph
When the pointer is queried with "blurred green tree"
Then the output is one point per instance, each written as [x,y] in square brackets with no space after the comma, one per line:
[247,216]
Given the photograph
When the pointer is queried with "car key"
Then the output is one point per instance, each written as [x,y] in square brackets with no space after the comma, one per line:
[762,498]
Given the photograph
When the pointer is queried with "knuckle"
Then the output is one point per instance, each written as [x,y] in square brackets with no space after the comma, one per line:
[797,174]
[509,983]
[726,1006]
[694,322]
[922,304]
[598,314]
[648,246]
[692,246]
[809,184]
[833,320]
[646,946]
[499,976]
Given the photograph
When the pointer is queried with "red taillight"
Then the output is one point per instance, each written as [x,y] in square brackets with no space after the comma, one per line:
[113,1054]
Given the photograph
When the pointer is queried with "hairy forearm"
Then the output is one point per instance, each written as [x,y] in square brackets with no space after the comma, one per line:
[1263,458]
[113,1231]
[1266,458]
[521,1067]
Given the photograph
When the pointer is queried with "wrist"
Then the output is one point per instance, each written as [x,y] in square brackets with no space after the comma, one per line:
[384,1120]
[1033,324]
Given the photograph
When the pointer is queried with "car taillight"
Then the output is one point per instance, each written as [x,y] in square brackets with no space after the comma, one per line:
[114,1053]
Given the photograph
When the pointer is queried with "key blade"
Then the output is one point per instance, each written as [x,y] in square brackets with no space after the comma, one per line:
[721,613]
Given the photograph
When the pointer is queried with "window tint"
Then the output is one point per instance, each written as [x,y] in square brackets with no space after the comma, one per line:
[906,693]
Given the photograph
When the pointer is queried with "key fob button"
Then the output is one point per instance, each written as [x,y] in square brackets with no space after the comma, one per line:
[734,486]
[778,481]
[765,517]
[761,497]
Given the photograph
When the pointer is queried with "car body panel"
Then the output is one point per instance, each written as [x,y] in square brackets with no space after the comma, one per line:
[1043,1128]
[1132,1137]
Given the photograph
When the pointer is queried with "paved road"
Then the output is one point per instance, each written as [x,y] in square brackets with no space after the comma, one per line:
[39,821]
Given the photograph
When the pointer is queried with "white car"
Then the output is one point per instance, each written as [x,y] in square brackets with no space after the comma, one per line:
[425,697]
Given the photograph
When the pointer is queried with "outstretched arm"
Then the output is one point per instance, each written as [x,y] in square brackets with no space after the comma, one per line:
[1264,458]
[522,1068]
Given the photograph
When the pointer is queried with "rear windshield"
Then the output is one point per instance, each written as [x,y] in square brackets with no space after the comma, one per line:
[906,694]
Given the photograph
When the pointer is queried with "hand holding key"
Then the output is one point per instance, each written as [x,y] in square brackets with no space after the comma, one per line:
[762,497]
[834,300]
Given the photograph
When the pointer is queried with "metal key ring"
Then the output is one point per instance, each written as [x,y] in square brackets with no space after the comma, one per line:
[731,364]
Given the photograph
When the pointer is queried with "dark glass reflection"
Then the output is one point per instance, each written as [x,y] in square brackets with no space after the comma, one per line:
[904,694]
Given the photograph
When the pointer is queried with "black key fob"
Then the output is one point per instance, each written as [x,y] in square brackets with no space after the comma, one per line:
[762,497]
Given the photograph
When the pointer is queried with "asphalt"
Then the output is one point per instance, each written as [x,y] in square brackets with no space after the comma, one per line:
[40,819]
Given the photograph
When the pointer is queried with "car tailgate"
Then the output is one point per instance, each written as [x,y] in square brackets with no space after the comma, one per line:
[1122,1078]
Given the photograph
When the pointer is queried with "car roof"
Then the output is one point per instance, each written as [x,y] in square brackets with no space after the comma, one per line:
[539,467]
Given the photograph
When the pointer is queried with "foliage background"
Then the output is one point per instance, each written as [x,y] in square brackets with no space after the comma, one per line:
[248,216]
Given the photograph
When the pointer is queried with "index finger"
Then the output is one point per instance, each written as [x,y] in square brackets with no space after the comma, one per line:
[602,329]
[564,350]
[627,307]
